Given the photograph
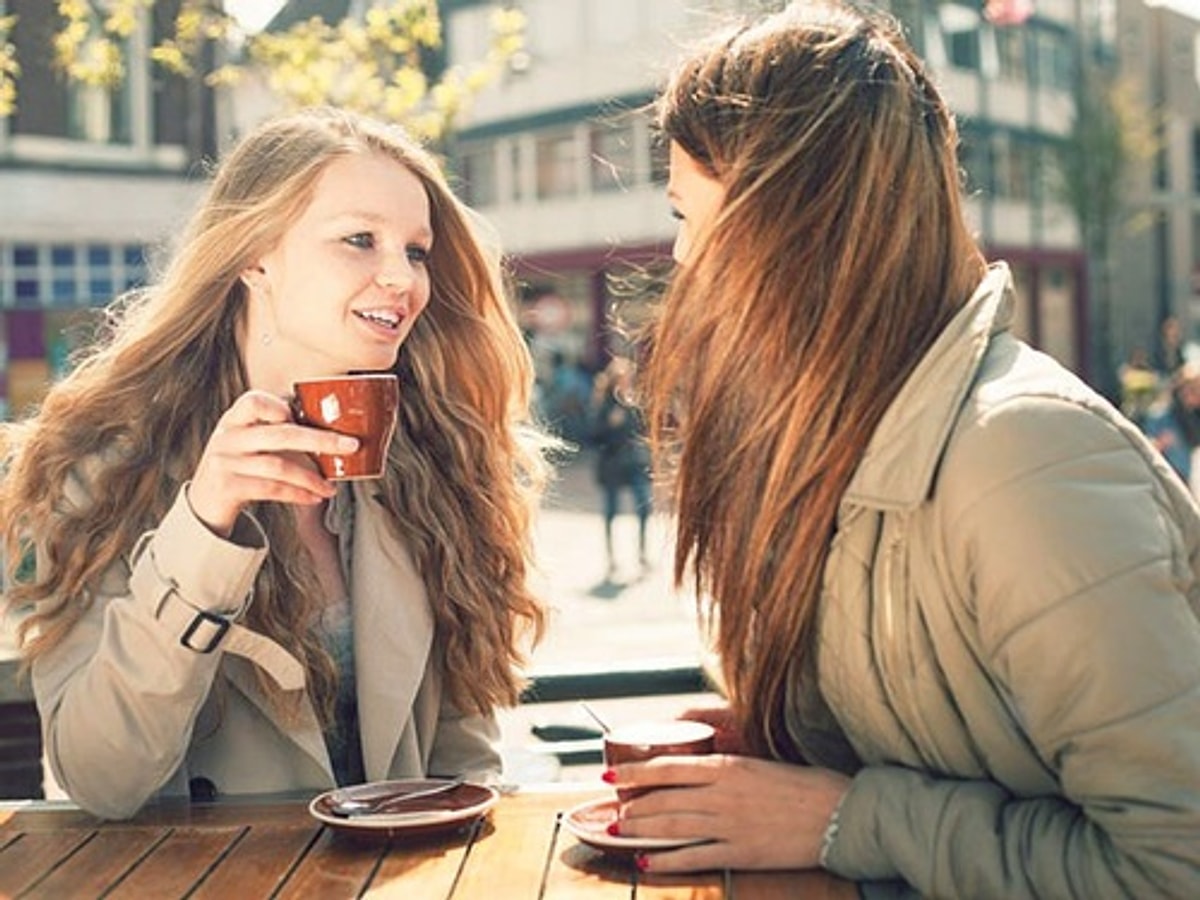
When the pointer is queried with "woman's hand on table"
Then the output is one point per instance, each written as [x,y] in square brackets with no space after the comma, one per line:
[258,453]
[760,814]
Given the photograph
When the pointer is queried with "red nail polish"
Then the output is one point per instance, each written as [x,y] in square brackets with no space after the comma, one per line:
[614,829]
[609,777]
[642,861]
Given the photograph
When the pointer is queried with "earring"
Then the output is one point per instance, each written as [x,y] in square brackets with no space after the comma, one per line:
[266,338]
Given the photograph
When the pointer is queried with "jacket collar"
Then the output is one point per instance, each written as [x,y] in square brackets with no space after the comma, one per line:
[393,631]
[393,634]
[898,467]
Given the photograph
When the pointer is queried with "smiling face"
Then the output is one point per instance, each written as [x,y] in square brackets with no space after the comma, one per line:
[346,282]
[696,197]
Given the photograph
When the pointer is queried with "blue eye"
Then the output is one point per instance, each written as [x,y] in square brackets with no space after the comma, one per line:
[364,240]
[417,254]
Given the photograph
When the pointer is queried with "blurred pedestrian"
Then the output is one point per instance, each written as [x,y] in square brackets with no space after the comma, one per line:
[622,454]
[209,614]
[1173,422]
[1141,386]
[953,590]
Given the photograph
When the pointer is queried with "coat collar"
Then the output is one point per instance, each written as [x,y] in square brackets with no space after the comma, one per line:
[898,467]
[393,634]
[393,631]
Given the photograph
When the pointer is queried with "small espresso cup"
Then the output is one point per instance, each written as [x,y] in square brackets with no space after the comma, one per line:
[641,741]
[364,406]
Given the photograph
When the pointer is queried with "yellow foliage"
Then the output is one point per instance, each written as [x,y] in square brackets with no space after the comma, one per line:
[374,64]
[10,69]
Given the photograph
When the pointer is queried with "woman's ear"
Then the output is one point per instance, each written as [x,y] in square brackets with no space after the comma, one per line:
[254,277]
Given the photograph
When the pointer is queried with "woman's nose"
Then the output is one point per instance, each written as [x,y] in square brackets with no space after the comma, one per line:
[395,273]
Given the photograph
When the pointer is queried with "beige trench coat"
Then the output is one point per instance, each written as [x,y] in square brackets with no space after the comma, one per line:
[1009,637]
[130,712]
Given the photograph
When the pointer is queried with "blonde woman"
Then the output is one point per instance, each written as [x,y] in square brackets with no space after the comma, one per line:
[208,614]
[955,592]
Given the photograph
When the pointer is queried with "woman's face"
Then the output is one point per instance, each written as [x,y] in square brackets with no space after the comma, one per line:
[696,197]
[346,282]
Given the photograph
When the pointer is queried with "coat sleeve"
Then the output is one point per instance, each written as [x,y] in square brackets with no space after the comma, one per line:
[1075,553]
[465,745]
[119,694]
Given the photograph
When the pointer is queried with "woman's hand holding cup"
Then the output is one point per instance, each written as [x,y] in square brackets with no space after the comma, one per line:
[258,453]
[646,740]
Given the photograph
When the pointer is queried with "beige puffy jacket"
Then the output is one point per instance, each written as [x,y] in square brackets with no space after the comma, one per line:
[1010,640]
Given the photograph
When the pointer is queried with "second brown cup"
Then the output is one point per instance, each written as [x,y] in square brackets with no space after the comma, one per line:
[364,406]
[645,740]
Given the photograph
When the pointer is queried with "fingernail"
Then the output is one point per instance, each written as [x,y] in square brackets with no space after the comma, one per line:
[642,861]
[614,829]
[347,444]
[609,777]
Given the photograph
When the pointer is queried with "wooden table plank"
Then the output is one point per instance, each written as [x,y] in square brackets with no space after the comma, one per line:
[26,857]
[577,870]
[508,857]
[695,886]
[422,867]
[816,884]
[98,864]
[258,863]
[178,862]
[334,867]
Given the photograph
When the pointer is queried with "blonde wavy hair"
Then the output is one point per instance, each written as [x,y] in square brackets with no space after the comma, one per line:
[839,253]
[464,468]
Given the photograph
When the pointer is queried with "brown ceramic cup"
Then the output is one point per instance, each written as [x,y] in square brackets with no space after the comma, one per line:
[364,406]
[641,741]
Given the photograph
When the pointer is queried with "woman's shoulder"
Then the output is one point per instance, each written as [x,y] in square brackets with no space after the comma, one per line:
[1026,413]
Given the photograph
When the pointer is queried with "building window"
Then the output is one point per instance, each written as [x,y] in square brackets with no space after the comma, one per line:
[477,165]
[1052,61]
[1013,169]
[1010,53]
[1196,161]
[660,160]
[960,25]
[98,114]
[556,157]
[613,156]
[68,275]
[976,163]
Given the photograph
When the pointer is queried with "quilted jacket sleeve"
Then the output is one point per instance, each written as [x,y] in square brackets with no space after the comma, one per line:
[1075,552]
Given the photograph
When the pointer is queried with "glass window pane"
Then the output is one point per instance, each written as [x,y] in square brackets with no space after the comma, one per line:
[27,291]
[100,288]
[63,289]
[99,255]
[25,255]
[612,156]
[478,168]
[556,159]
[62,255]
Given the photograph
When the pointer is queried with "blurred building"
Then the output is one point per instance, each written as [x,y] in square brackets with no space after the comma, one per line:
[560,158]
[91,180]
[1157,266]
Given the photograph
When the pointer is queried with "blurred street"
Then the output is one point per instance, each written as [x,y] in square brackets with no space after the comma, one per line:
[595,622]
[633,621]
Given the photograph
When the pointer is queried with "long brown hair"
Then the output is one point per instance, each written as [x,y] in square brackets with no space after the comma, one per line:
[464,467]
[839,253]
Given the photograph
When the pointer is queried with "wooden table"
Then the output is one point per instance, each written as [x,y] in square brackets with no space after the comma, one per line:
[267,847]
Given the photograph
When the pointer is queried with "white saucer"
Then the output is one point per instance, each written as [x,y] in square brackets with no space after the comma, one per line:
[443,811]
[589,822]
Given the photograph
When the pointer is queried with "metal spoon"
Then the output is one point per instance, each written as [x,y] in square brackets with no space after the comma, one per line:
[348,807]
[595,718]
